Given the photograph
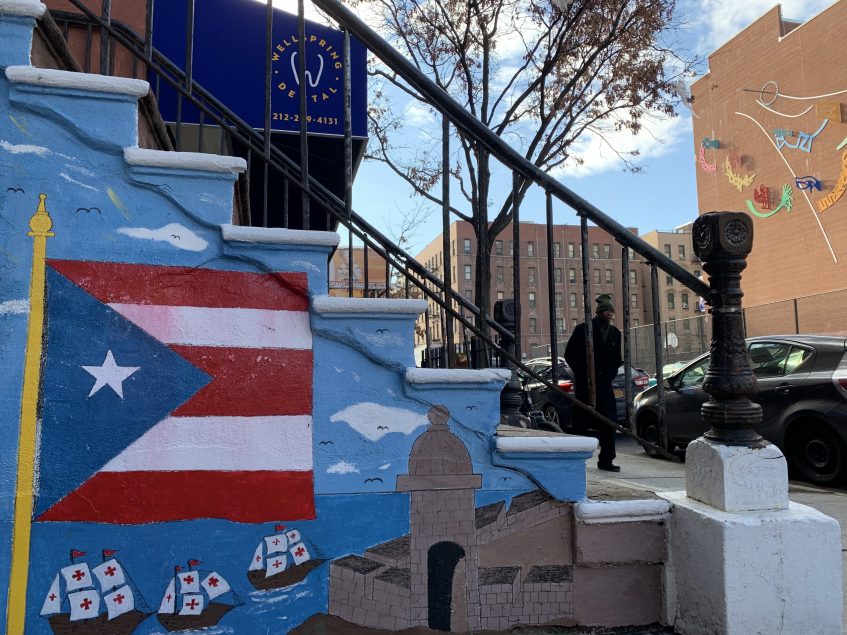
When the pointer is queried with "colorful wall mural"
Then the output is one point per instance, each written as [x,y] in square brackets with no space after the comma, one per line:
[200,437]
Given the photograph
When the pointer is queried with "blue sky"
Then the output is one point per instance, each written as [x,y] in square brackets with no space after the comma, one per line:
[662,196]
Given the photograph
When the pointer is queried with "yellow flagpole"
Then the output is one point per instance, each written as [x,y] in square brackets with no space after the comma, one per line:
[40,224]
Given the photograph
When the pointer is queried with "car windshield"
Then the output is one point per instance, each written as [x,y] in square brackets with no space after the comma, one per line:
[694,375]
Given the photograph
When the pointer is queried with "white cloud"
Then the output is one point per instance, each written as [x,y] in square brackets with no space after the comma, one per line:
[373,421]
[419,115]
[342,467]
[14,307]
[656,138]
[721,20]
[177,235]
[385,466]
[24,149]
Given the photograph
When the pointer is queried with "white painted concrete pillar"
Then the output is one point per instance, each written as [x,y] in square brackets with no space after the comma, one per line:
[743,559]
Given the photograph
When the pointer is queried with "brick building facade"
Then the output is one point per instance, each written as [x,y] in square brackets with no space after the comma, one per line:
[769,128]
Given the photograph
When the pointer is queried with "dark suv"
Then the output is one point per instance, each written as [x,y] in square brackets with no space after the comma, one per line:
[802,388]
[557,408]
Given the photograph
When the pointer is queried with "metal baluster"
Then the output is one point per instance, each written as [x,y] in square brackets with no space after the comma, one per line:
[387,278]
[586,305]
[189,46]
[301,84]
[551,296]
[349,263]
[428,336]
[445,235]
[269,25]
[627,356]
[104,37]
[89,36]
[516,261]
[657,346]
[285,186]
[365,266]
[200,129]
[408,286]
[348,154]
[148,31]
[178,134]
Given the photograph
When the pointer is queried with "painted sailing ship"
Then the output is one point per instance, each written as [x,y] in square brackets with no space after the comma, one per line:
[100,600]
[280,560]
[195,599]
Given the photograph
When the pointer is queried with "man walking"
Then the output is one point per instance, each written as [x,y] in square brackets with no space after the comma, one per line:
[607,360]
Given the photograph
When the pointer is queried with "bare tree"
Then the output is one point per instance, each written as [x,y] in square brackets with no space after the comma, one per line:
[538,75]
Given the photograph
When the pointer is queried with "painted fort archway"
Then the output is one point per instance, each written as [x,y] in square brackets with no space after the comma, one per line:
[446,586]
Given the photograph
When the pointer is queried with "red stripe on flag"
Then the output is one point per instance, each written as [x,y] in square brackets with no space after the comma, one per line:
[249,382]
[113,282]
[134,498]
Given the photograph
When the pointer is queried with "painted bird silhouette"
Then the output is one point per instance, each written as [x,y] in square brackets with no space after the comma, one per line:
[88,209]
[19,190]
[374,480]
[326,443]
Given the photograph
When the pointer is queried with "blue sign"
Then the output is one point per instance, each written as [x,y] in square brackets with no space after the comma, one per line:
[228,61]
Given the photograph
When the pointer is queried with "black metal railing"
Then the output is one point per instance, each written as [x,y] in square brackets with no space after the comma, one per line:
[463,326]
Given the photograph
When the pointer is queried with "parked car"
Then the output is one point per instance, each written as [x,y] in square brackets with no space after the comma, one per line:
[557,408]
[802,388]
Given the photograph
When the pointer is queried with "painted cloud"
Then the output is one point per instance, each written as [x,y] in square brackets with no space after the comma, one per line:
[173,233]
[374,421]
[342,467]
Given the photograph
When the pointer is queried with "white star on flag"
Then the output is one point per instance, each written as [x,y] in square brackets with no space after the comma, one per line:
[110,374]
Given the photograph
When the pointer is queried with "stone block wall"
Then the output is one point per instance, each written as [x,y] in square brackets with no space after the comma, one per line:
[367,592]
[505,600]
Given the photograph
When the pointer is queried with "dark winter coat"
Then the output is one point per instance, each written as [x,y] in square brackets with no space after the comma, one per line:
[607,360]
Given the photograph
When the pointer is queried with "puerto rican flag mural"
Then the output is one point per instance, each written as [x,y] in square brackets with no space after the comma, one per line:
[174,393]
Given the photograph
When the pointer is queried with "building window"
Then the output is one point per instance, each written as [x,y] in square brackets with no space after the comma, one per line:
[558,300]
[595,250]
[669,281]
[635,322]
[557,275]
[557,250]
[607,250]
[533,326]
[468,294]
[686,326]
[596,276]
[454,247]
[511,247]
[532,299]
[530,275]
[668,251]
[682,252]
[631,253]
[633,277]
[560,325]
[633,300]
[530,249]
[570,250]
[571,275]
[572,300]
[684,300]
[498,247]
[499,295]
[467,245]
[467,272]
[608,276]
[670,301]
[500,274]
[573,323]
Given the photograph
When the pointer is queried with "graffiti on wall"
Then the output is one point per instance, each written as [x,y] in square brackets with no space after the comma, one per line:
[838,191]
[739,181]
[803,142]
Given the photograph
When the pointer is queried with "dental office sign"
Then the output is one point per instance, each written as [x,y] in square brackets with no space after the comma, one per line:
[229,59]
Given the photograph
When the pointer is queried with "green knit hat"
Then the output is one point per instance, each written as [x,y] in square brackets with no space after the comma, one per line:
[604,303]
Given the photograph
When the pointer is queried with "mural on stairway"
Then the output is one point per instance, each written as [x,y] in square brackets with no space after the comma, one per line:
[199,437]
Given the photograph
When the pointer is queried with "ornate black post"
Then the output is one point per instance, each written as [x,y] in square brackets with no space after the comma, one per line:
[722,241]
[511,396]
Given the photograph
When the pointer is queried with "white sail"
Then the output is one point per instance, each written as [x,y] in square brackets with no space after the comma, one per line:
[276,543]
[293,535]
[119,601]
[84,604]
[276,564]
[189,582]
[168,604]
[258,559]
[192,604]
[110,574]
[214,585]
[300,553]
[76,576]
[53,600]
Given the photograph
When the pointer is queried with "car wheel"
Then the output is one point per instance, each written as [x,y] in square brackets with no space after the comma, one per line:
[818,454]
[648,429]
[552,415]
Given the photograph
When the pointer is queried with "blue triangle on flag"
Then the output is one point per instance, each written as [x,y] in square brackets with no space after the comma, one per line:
[81,433]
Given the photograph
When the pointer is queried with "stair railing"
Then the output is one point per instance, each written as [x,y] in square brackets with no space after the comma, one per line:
[453,308]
